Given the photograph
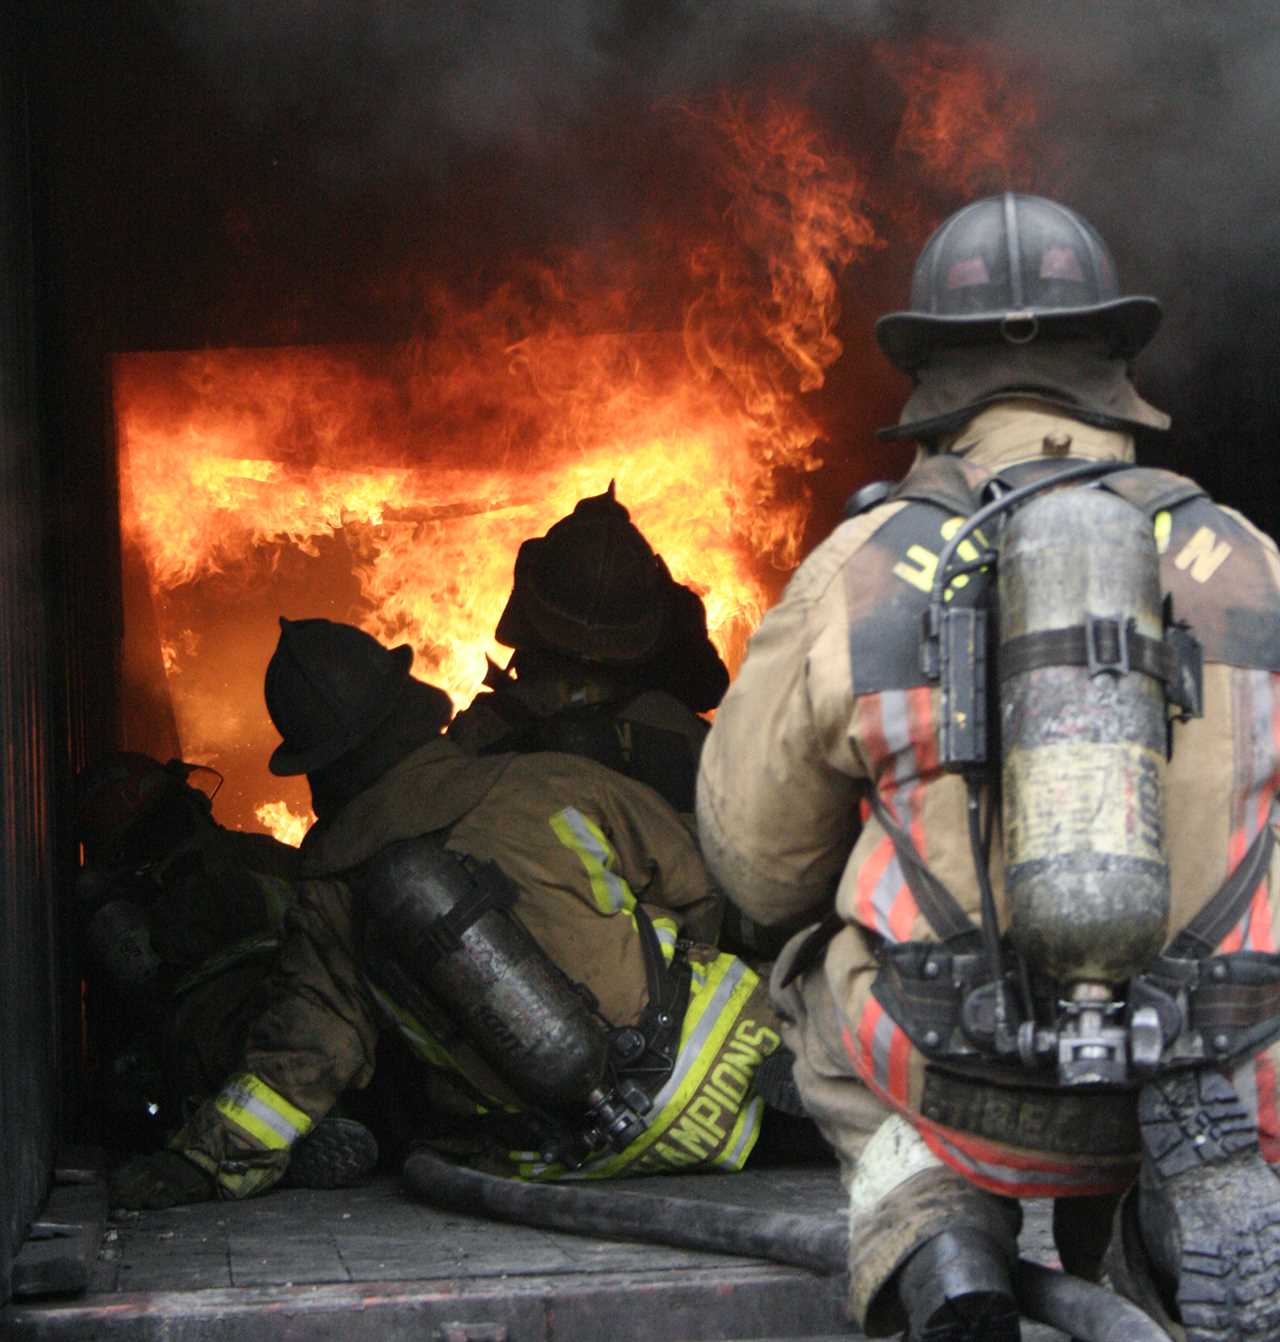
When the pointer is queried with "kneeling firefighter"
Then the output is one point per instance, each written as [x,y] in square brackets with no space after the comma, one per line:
[535,928]
[1050,682]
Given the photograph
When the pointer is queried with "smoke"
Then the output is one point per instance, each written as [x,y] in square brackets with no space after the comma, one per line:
[1158,118]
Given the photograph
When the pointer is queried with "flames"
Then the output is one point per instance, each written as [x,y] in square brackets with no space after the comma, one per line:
[392,485]
[277,818]
[968,116]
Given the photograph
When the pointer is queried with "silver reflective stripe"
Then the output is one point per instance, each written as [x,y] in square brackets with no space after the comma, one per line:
[692,1048]
[881,1043]
[746,1137]
[617,892]
[895,724]
[271,1118]
[666,936]
[1014,1178]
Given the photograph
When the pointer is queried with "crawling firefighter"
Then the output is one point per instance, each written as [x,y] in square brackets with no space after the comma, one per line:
[535,928]
[180,923]
[1046,679]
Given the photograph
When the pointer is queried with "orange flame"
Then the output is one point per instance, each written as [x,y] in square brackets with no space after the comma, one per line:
[282,823]
[968,117]
[432,462]
[393,486]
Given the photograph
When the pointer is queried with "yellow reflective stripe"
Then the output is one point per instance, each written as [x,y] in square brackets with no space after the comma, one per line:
[432,1052]
[261,1113]
[743,1138]
[716,1001]
[611,893]
[233,1183]
[668,934]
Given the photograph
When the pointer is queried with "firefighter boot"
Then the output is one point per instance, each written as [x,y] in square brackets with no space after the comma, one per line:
[1209,1209]
[956,1288]
[928,1251]
[336,1153]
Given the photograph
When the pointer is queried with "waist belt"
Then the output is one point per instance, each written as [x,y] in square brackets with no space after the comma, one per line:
[1211,1008]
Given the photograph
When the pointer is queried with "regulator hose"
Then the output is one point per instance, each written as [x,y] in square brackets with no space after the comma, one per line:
[1076,1307]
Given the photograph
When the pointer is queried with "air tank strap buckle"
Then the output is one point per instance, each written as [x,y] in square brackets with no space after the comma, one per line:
[1106,643]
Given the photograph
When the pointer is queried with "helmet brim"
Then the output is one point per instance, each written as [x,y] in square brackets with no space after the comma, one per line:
[907,338]
[285,763]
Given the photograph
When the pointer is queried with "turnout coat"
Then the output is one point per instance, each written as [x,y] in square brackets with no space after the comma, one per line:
[831,703]
[584,846]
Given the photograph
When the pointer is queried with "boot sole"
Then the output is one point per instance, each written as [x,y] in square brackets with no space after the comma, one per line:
[336,1153]
[1201,1147]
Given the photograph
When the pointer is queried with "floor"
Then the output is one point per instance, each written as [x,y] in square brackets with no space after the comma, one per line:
[370,1263]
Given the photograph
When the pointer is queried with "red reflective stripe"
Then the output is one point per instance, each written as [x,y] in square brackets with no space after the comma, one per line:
[924,739]
[924,747]
[863,1056]
[1046,1187]
[950,1149]
[1260,936]
[900,1066]
[1264,1071]
[869,875]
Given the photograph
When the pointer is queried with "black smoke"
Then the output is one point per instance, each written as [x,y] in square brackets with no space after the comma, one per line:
[259,171]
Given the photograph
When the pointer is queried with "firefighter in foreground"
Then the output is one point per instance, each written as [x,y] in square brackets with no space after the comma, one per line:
[181,921]
[611,656]
[1045,966]
[535,927]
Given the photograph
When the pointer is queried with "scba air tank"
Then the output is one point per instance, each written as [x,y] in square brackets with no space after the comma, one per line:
[488,975]
[1083,737]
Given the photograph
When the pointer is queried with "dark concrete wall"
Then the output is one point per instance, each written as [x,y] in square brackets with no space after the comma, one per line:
[29,1038]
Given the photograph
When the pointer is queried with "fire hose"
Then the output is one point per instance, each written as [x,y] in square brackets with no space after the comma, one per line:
[1075,1307]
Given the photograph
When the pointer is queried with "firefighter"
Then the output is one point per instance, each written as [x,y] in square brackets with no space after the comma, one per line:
[181,921]
[611,656]
[1019,344]
[534,927]
[611,660]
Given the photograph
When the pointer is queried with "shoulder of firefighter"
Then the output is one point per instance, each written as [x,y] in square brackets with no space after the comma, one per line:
[604,882]
[650,736]
[838,765]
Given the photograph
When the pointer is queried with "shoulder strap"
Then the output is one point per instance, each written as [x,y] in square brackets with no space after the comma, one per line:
[1151,490]
[1204,933]
[936,902]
